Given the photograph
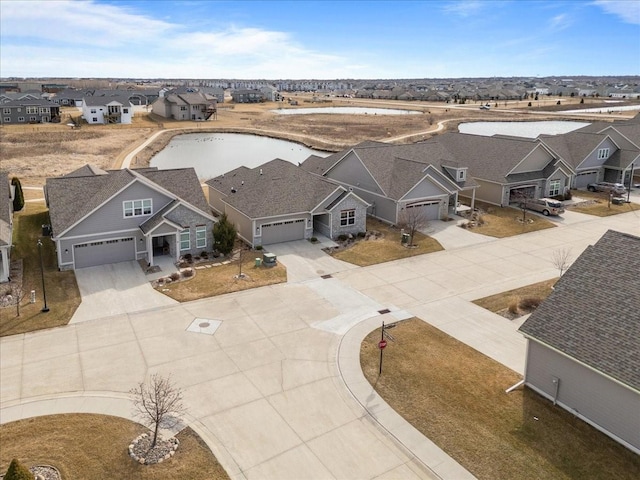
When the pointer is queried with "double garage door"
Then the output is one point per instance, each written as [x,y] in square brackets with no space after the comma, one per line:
[103,252]
[428,210]
[585,178]
[278,232]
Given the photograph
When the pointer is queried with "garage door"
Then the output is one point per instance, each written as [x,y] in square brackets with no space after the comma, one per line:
[278,232]
[101,253]
[430,210]
[585,178]
[519,193]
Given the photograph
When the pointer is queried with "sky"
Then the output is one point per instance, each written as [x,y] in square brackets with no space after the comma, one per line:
[318,39]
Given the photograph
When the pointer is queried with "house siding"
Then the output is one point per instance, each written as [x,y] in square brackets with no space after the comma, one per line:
[110,217]
[592,159]
[352,172]
[606,403]
[360,225]
[486,192]
[244,225]
[216,198]
[190,219]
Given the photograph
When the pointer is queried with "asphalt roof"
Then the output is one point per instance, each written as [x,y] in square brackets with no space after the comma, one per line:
[72,197]
[592,315]
[275,188]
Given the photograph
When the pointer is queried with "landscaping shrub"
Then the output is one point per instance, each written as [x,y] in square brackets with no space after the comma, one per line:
[187,273]
[17,471]
[175,276]
[568,195]
[224,235]
[313,239]
[188,258]
[530,303]
[361,234]
[258,247]
[183,264]
[513,306]
[342,237]
[204,255]
[18,197]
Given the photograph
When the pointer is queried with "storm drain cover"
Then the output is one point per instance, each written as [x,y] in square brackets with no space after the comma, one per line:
[383,311]
[325,277]
[204,325]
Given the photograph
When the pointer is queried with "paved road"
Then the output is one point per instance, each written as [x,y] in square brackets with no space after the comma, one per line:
[275,390]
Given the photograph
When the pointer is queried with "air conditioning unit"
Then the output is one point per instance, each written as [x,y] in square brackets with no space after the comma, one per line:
[269,259]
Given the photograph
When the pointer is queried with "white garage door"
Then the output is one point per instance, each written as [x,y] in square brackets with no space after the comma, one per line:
[106,251]
[278,232]
[585,178]
[430,210]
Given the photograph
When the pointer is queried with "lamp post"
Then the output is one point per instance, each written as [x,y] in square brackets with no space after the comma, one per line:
[45,309]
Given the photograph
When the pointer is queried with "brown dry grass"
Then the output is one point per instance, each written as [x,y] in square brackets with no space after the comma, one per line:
[501,222]
[386,247]
[222,279]
[63,296]
[95,446]
[597,203]
[501,301]
[456,397]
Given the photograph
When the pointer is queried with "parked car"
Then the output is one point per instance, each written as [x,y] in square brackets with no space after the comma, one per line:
[546,206]
[608,187]
[485,107]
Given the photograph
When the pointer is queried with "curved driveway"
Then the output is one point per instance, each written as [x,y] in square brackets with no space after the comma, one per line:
[275,390]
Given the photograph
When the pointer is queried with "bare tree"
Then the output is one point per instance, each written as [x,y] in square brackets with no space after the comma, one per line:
[522,198]
[19,293]
[157,403]
[413,219]
[561,259]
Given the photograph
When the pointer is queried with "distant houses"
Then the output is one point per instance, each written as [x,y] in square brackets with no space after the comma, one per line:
[188,104]
[107,109]
[29,110]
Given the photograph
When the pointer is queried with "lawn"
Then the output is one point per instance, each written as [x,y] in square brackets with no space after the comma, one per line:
[501,302]
[456,397]
[63,296]
[386,247]
[223,279]
[501,222]
[95,446]
[597,203]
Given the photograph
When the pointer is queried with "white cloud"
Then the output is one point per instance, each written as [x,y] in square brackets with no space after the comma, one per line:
[560,22]
[463,8]
[627,10]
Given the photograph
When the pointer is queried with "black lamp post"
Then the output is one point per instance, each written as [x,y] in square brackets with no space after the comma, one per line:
[45,309]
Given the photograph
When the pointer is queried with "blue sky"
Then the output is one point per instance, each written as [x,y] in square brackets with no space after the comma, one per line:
[320,40]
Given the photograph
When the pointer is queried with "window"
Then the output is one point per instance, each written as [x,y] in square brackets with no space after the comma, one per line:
[137,208]
[183,108]
[93,110]
[44,110]
[6,111]
[32,110]
[554,188]
[7,119]
[201,236]
[185,240]
[462,175]
[603,153]
[125,110]
[95,119]
[21,119]
[32,119]
[347,217]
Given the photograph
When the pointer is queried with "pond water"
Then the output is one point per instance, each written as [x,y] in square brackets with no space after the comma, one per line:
[344,111]
[212,154]
[520,129]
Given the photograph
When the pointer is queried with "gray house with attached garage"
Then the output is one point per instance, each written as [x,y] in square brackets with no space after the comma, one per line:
[583,348]
[392,178]
[100,217]
[280,202]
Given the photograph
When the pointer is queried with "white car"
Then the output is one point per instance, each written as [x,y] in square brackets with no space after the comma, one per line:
[485,107]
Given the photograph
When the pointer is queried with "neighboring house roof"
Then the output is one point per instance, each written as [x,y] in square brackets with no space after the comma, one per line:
[592,314]
[94,101]
[574,146]
[275,188]
[29,102]
[74,196]
[6,210]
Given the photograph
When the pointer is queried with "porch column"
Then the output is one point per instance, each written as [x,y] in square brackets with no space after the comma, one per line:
[149,244]
[473,198]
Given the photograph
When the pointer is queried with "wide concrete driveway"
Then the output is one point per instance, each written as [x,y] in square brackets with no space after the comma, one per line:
[276,390]
[109,290]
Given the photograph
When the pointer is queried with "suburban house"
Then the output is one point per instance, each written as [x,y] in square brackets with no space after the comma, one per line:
[393,178]
[29,110]
[247,96]
[279,202]
[99,217]
[508,169]
[107,109]
[191,105]
[583,348]
[6,226]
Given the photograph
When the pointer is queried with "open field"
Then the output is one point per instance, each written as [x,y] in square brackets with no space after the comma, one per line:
[95,446]
[34,152]
[456,397]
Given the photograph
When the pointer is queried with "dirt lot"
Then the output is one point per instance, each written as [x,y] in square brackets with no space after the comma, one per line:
[34,152]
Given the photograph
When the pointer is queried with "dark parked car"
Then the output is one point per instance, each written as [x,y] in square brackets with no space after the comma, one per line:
[608,187]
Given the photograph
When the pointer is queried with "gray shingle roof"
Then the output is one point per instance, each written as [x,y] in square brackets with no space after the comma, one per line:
[282,188]
[72,197]
[593,315]
[99,101]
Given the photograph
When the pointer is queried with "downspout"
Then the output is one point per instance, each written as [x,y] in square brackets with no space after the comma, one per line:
[513,387]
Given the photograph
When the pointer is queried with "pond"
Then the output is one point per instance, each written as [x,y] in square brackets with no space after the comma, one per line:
[212,154]
[344,111]
[520,129]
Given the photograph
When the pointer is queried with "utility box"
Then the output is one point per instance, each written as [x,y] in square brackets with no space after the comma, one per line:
[46,230]
[258,261]
[269,259]
[405,238]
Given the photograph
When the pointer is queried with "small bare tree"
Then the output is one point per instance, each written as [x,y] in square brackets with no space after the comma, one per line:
[561,259]
[413,219]
[19,293]
[157,403]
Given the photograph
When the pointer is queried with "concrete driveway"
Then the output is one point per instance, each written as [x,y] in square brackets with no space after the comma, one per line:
[109,290]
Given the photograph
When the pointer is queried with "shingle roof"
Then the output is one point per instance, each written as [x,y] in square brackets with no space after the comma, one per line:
[593,315]
[99,101]
[72,197]
[275,188]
